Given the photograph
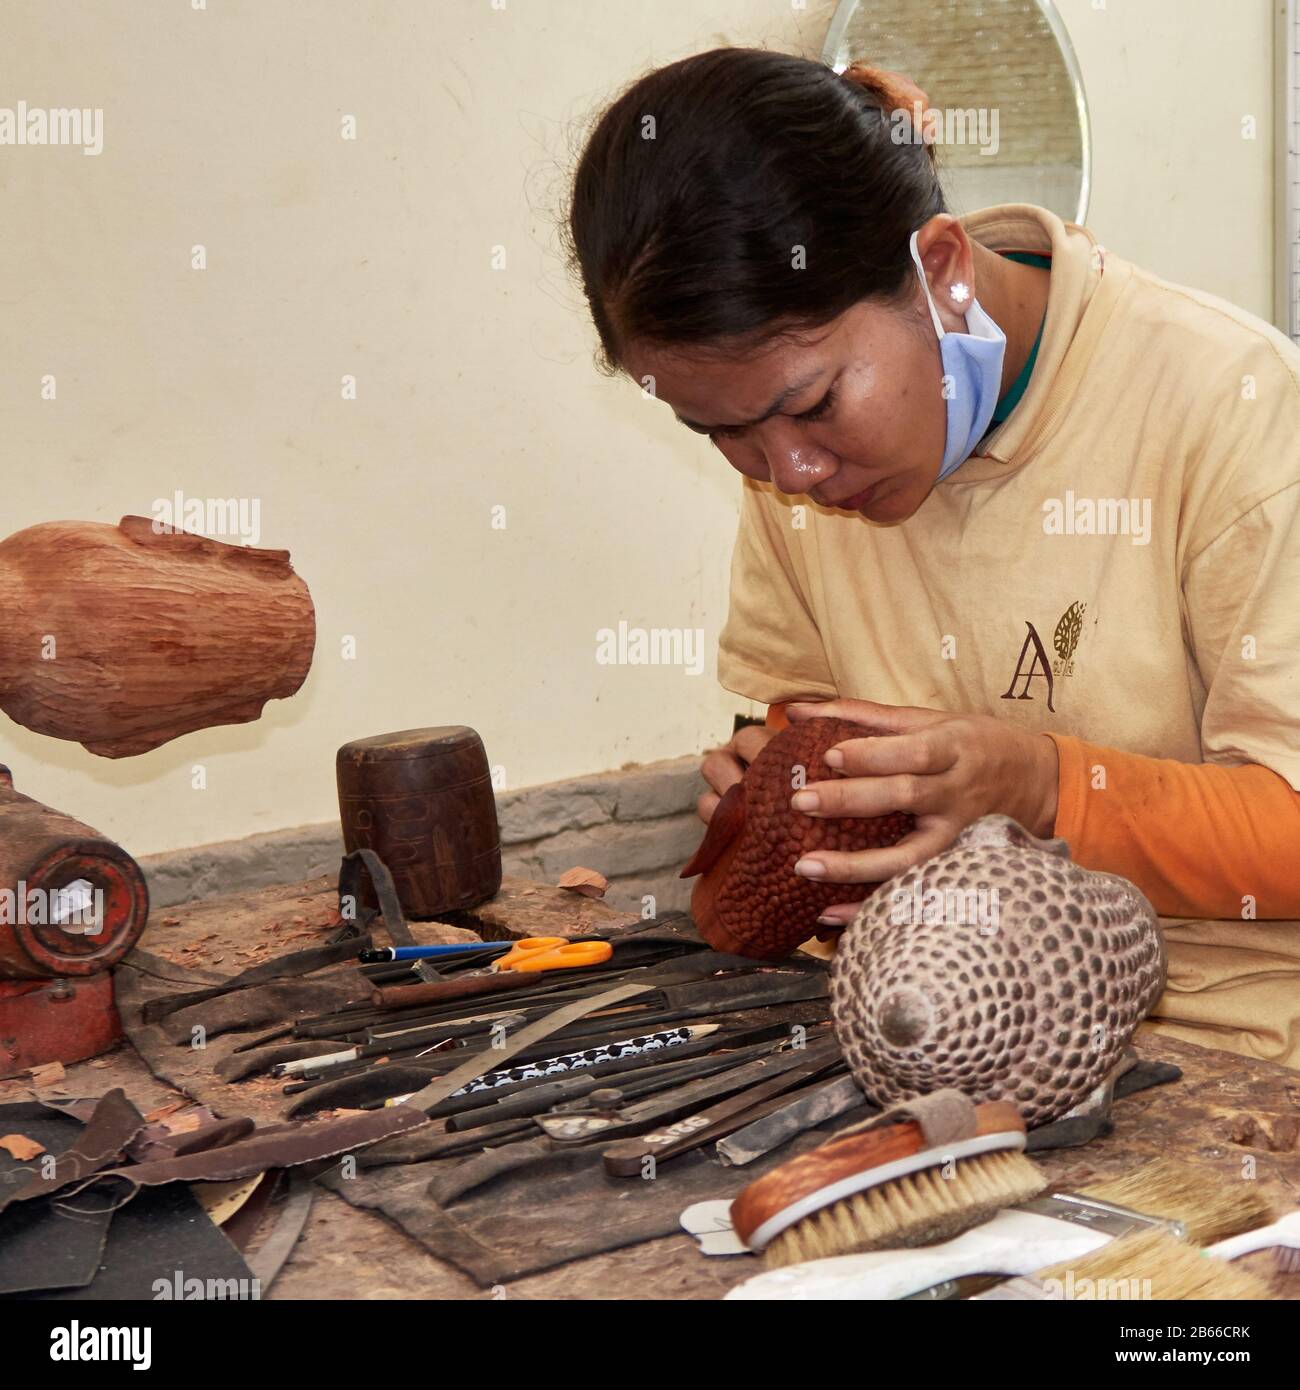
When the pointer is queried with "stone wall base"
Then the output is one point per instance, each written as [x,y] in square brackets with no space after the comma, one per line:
[636,826]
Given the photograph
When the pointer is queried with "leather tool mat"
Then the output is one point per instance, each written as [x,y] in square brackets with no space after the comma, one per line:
[561,1207]
[564,1207]
[189,1061]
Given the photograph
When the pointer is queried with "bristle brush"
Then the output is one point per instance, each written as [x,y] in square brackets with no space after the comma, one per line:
[1044,1231]
[1155,1265]
[1282,1237]
[1147,1265]
[1180,1192]
[923,1171]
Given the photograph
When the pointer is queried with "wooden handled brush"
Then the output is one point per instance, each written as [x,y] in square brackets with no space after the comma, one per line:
[895,1181]
[1143,1267]
[1172,1202]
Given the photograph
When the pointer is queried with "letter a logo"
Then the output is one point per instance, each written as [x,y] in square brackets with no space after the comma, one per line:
[1039,666]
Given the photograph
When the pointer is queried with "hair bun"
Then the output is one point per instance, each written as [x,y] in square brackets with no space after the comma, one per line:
[895,91]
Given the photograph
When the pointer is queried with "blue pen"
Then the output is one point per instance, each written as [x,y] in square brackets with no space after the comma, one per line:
[464,948]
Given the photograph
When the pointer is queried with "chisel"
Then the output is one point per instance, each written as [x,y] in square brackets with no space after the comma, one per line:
[482,1129]
[628,1158]
[661,1006]
[368,1085]
[581,1129]
[474,1171]
[565,1090]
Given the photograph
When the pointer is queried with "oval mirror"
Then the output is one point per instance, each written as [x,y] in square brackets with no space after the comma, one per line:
[1006,84]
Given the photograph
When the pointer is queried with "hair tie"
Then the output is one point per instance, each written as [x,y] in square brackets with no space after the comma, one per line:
[895,91]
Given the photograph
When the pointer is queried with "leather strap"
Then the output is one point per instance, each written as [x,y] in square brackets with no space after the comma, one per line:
[278,1246]
[945,1117]
[366,861]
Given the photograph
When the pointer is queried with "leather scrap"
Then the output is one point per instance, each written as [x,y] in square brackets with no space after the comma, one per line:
[242,1226]
[112,1125]
[1146,1073]
[45,1245]
[212,1136]
[273,1001]
[158,1141]
[294,963]
[274,1146]
[223,1200]
[163,1240]
[160,968]
[1071,1132]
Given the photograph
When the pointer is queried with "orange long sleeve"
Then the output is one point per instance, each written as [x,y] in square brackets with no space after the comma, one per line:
[776,718]
[1198,839]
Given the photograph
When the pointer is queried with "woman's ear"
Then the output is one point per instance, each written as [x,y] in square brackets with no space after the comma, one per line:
[945,252]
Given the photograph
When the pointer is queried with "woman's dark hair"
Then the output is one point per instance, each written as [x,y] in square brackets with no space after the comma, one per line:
[699,182]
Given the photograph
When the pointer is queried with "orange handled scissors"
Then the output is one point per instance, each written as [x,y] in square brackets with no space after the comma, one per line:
[552,953]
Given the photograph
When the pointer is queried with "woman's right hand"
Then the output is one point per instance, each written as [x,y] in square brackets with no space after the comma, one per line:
[723,767]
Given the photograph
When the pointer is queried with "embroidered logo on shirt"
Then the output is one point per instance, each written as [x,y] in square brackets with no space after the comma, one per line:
[1039,668]
[1033,662]
[1066,638]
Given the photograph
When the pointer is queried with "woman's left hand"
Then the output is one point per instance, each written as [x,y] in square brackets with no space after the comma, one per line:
[946,769]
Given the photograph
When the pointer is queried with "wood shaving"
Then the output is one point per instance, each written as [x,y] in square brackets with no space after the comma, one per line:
[585,881]
[50,1075]
[19,1146]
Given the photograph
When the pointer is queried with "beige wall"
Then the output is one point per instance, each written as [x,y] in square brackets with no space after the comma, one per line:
[475,386]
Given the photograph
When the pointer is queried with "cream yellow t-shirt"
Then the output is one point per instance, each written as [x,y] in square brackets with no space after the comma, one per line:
[1120,563]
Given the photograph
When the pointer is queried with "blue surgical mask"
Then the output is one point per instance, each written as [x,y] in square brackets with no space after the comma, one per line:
[972,369]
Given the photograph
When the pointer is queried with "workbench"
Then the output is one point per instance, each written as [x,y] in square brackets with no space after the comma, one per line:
[1221,1116]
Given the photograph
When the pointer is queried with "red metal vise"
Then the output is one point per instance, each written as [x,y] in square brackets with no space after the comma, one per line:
[72,904]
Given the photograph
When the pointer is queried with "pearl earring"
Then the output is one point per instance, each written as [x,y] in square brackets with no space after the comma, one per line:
[960,292]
